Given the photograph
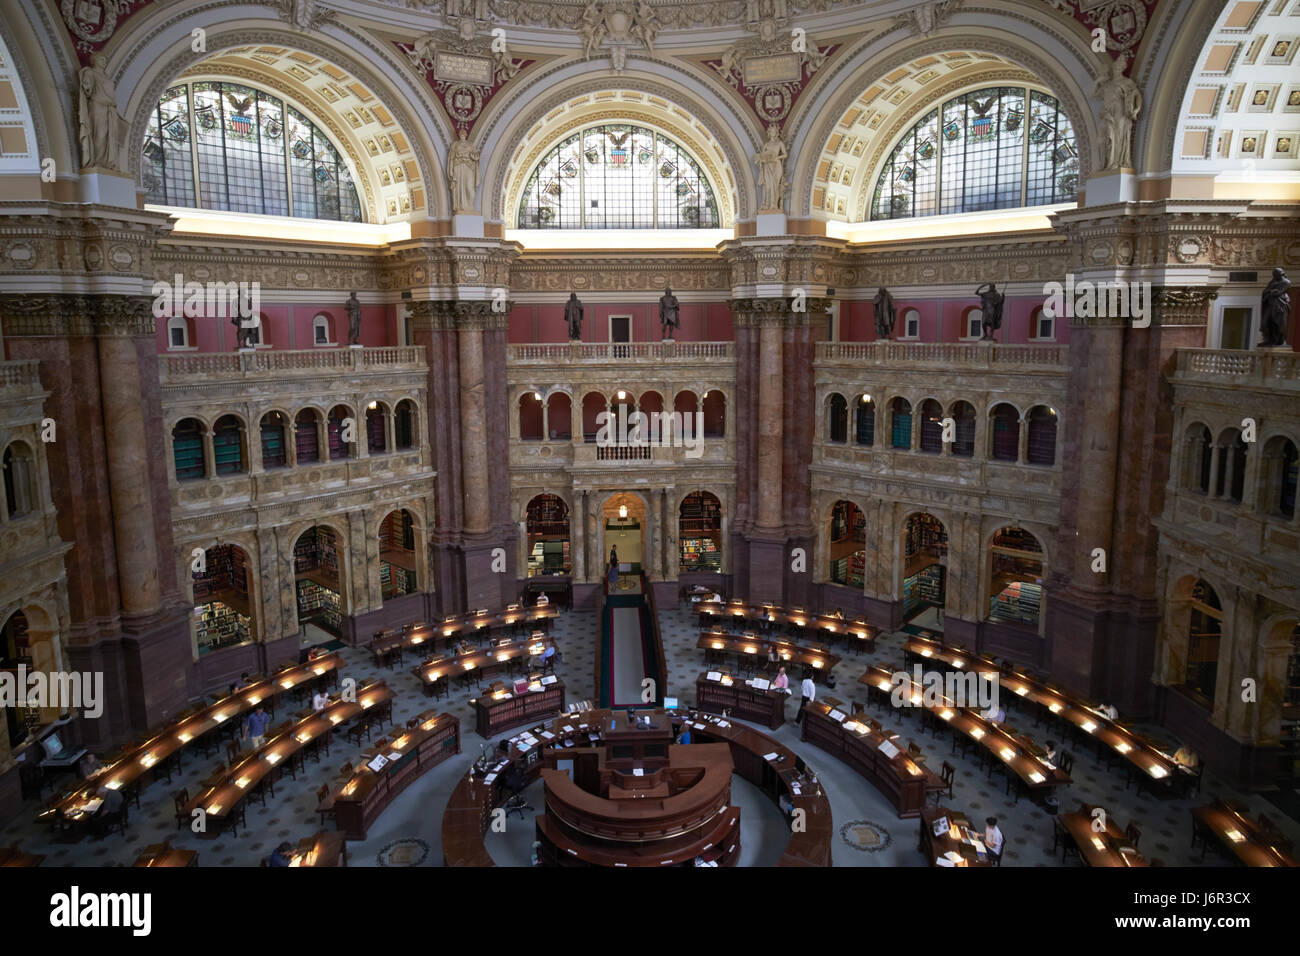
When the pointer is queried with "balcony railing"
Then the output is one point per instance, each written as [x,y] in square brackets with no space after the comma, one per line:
[273,363]
[946,355]
[20,376]
[1239,367]
[561,353]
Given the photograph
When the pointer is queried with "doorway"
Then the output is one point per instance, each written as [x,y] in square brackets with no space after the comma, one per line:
[1236,329]
[624,517]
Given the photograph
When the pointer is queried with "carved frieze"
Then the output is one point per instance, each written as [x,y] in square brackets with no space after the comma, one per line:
[66,314]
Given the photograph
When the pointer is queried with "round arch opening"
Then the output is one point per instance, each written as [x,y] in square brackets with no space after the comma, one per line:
[223,599]
[547,528]
[318,583]
[399,574]
[925,570]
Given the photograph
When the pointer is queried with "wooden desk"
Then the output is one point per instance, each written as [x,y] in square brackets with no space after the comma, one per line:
[470,624]
[222,798]
[327,848]
[1156,766]
[1243,837]
[479,662]
[172,856]
[135,764]
[1020,756]
[497,713]
[11,856]
[900,779]
[933,847]
[856,633]
[410,754]
[765,707]
[1109,847]
[754,650]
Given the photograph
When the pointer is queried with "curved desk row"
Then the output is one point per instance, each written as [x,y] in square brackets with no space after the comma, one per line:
[753,650]
[758,758]
[1126,744]
[857,633]
[187,728]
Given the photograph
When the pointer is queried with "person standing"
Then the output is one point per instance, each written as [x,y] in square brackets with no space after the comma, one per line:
[808,690]
[993,839]
[255,727]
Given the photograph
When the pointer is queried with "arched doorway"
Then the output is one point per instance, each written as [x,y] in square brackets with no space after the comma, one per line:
[398,572]
[1204,634]
[547,528]
[223,615]
[848,535]
[624,516]
[15,650]
[925,571]
[317,563]
[700,532]
[1015,577]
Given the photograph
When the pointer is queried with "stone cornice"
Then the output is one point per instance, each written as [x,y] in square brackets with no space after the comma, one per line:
[64,314]
[442,315]
[762,312]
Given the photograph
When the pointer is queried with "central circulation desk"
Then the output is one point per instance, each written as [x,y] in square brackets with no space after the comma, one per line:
[716,692]
[433,739]
[901,779]
[755,756]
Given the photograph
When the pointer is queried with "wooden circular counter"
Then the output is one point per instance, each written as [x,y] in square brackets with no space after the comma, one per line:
[579,815]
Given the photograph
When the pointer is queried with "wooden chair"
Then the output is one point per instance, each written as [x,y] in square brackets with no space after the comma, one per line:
[233,750]
[1133,833]
[345,771]
[324,803]
[360,728]
[179,800]
[1201,831]
[914,752]
[1061,838]
[948,774]
[1067,762]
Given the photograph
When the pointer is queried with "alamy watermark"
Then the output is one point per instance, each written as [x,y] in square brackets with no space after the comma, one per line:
[968,689]
[652,429]
[241,300]
[65,690]
[1099,300]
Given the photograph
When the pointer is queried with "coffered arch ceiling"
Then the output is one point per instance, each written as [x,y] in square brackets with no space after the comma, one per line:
[379,114]
[1238,130]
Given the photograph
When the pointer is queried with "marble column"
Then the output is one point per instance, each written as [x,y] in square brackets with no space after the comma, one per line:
[127,451]
[473,430]
[770,436]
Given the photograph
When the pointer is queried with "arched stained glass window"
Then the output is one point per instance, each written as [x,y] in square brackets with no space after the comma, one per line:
[981,150]
[618,176]
[248,151]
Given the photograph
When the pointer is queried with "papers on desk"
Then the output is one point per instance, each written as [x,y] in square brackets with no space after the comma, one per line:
[761,683]
[489,778]
[837,716]
[638,772]
[697,726]
[941,826]
[954,856]
[547,735]
[889,750]
[943,861]
[378,763]
[853,725]
[549,679]
[713,675]
[723,723]
[395,755]
[567,728]
[771,756]
[91,806]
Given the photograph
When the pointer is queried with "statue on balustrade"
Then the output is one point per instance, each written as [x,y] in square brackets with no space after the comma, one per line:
[1275,311]
[668,313]
[990,309]
[244,333]
[886,314]
[573,315]
[354,320]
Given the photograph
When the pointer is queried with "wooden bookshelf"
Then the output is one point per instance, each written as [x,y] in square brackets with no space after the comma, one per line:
[495,715]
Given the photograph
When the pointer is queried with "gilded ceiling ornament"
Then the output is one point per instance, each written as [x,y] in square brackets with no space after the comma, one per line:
[771,69]
[618,24]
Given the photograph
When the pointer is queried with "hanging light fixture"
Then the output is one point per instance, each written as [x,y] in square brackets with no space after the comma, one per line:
[622,512]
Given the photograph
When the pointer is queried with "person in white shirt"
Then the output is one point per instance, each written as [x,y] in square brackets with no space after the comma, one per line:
[993,837]
[1109,711]
[1049,752]
[809,691]
[995,714]
[320,700]
[543,600]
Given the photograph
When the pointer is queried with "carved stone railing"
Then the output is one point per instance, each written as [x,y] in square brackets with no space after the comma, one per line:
[1238,367]
[946,355]
[272,363]
[567,353]
[21,376]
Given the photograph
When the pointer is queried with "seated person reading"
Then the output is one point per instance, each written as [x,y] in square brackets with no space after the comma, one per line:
[1186,758]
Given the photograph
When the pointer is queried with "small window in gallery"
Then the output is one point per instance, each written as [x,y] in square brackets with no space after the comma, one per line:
[1043,324]
[321,330]
[178,333]
[911,324]
[974,324]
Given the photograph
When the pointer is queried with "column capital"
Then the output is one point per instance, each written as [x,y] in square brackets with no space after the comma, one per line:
[64,314]
[443,315]
[764,312]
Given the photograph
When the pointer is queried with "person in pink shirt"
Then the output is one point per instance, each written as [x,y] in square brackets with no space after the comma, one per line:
[781,682]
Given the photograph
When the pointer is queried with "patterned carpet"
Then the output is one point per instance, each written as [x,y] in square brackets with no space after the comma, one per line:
[409,832]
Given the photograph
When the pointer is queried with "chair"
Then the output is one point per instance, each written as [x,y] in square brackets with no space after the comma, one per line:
[515,785]
[1201,831]
[1061,838]
[345,771]
[102,824]
[1067,762]
[179,801]
[948,774]
[233,750]
[324,803]
[1133,833]
[360,728]
[914,752]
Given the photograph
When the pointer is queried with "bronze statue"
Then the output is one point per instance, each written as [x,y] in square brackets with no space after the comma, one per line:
[990,308]
[354,320]
[242,332]
[885,314]
[573,315]
[668,312]
[1275,311]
